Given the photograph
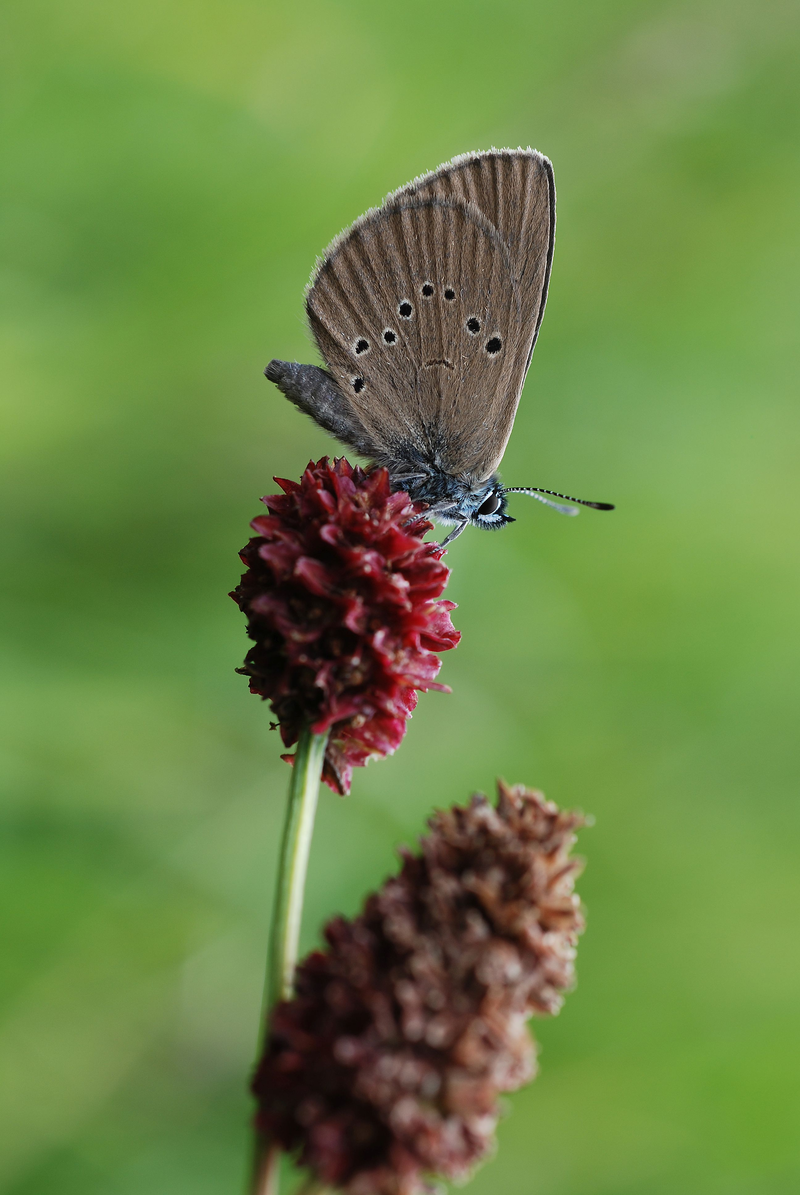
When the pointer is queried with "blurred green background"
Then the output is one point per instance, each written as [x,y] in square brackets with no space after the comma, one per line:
[170,171]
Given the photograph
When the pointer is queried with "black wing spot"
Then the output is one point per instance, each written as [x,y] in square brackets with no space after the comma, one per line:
[494,346]
[427,289]
[358,385]
[362,346]
[389,336]
[473,325]
[449,294]
[405,309]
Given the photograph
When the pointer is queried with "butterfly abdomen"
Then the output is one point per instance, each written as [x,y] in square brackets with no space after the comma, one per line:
[315,392]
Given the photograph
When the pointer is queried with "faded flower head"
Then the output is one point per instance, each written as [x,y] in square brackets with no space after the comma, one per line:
[386,1066]
[340,595]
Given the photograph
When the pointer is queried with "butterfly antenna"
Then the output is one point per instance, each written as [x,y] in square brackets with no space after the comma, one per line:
[538,493]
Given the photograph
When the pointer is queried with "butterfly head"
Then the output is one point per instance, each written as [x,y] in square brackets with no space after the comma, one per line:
[490,512]
[485,506]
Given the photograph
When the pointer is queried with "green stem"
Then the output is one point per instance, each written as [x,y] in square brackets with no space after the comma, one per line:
[266,1170]
[297,831]
[287,914]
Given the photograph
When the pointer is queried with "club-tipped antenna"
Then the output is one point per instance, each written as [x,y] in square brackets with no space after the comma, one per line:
[538,493]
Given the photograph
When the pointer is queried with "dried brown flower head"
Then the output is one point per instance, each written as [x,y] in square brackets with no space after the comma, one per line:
[385,1068]
[340,595]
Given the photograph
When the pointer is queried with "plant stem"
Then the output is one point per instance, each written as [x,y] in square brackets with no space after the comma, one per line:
[297,831]
[266,1170]
[267,1173]
[287,915]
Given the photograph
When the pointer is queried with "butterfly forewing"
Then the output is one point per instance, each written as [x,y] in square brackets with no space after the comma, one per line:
[426,310]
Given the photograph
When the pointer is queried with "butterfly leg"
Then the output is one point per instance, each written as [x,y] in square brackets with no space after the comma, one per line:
[454,534]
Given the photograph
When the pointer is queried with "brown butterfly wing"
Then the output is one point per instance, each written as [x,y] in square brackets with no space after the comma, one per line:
[426,315]
[515,191]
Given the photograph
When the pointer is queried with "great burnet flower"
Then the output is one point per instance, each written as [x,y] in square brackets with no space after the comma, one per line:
[386,1066]
[340,596]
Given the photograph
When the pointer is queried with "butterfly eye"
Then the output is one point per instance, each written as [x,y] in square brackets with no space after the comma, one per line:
[494,346]
[405,309]
[389,336]
[358,385]
[362,346]
[427,289]
[473,326]
[449,294]
[490,506]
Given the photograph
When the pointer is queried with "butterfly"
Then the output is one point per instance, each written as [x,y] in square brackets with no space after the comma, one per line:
[426,312]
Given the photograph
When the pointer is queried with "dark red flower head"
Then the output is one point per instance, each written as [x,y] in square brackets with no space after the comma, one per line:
[340,595]
[386,1066]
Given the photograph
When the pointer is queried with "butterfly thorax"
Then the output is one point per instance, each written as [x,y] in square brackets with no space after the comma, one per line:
[452,499]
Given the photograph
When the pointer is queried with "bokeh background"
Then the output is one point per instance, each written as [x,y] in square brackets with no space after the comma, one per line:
[170,171]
